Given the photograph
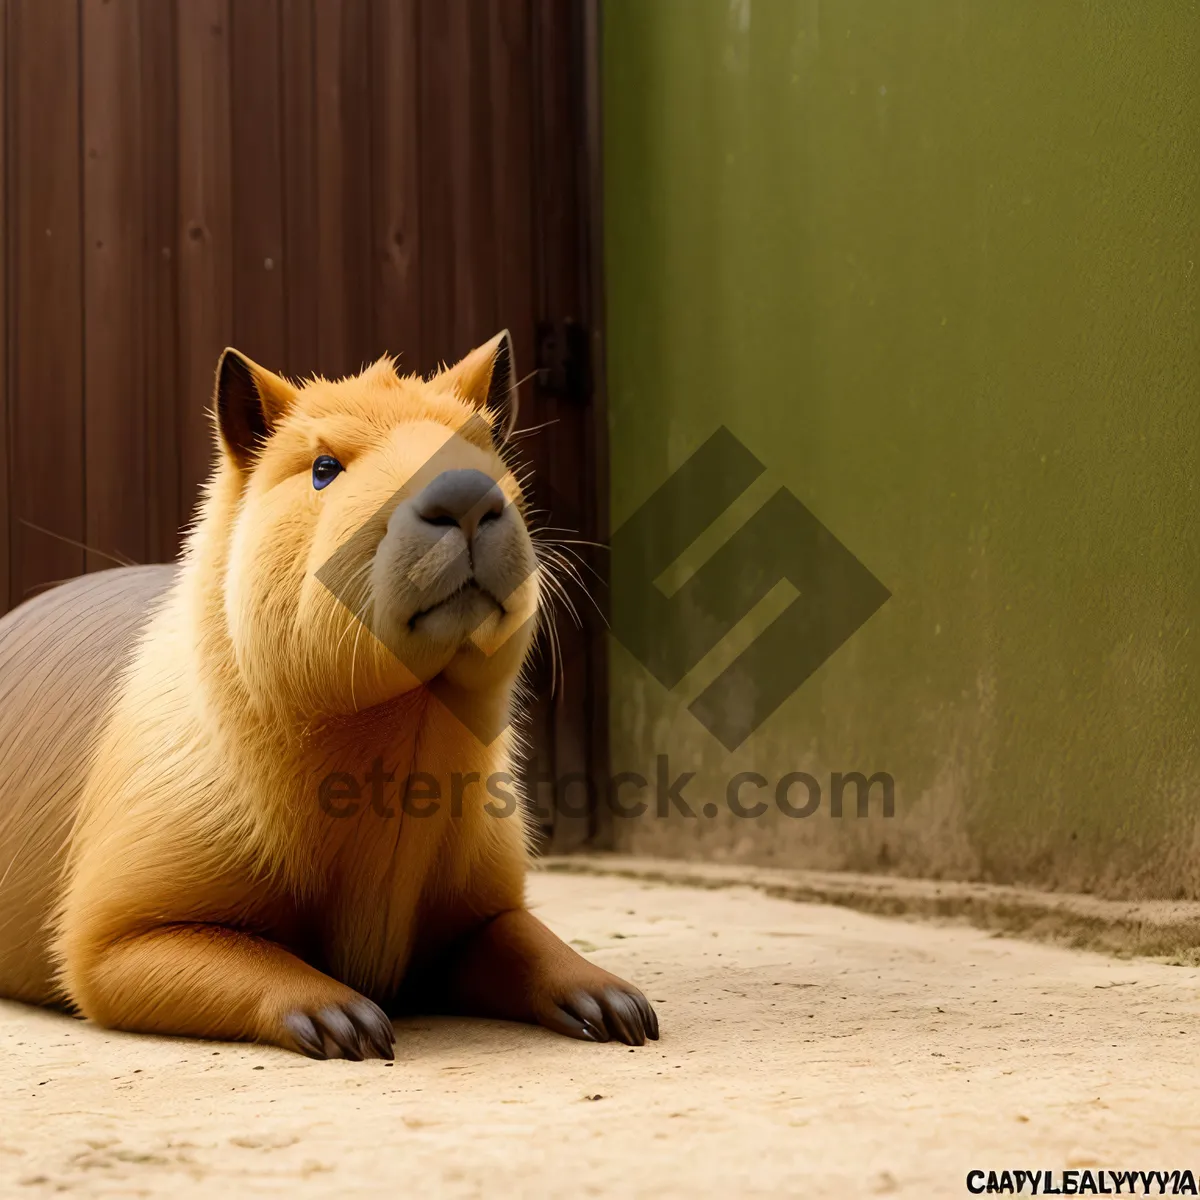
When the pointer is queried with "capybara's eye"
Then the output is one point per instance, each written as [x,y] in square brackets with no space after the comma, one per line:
[325,470]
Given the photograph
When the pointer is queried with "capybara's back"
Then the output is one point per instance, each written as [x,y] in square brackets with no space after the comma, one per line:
[61,658]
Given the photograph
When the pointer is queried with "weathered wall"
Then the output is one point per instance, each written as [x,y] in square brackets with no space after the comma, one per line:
[935,264]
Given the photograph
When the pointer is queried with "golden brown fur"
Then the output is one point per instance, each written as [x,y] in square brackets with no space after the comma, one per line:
[170,866]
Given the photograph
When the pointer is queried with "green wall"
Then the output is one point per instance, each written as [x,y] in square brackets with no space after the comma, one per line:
[935,264]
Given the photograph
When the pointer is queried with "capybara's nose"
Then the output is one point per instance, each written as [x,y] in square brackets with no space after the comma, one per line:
[466,498]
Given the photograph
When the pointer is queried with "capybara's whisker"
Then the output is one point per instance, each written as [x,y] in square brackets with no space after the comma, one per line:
[114,557]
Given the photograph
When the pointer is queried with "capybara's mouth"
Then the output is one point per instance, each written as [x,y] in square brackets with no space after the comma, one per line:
[471,587]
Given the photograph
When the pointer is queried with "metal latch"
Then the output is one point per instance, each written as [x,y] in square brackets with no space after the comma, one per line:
[562,360]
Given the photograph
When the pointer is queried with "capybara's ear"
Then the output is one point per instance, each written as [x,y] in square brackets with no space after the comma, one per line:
[249,401]
[487,378]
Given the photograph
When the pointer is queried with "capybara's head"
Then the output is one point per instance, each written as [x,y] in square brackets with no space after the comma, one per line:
[377,536]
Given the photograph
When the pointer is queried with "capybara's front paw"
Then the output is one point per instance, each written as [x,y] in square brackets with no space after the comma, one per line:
[598,1010]
[513,967]
[353,1029]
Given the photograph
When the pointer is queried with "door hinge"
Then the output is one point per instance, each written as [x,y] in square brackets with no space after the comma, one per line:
[563,366]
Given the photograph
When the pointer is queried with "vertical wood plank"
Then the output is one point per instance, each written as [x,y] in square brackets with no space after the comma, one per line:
[557,128]
[259,318]
[595,465]
[510,190]
[115,451]
[469,156]
[458,283]
[437,247]
[558,145]
[301,240]
[343,172]
[395,158]
[47,321]
[159,60]
[511,196]
[206,242]
[5,237]
[332,345]
[356,180]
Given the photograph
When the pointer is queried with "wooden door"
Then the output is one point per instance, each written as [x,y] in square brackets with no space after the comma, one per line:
[315,182]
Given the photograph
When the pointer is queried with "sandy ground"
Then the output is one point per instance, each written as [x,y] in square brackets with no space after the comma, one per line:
[807,1051]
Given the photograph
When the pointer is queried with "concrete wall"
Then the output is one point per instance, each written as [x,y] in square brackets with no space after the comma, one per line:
[935,265]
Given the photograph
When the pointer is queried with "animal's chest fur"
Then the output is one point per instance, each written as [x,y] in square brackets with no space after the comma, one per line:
[371,838]
[374,906]
[397,882]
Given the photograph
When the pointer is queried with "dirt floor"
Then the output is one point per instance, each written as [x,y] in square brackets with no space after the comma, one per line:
[807,1051]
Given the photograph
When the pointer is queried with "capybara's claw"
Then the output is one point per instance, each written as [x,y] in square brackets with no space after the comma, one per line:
[610,1012]
[304,1034]
[375,1027]
[354,1030]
